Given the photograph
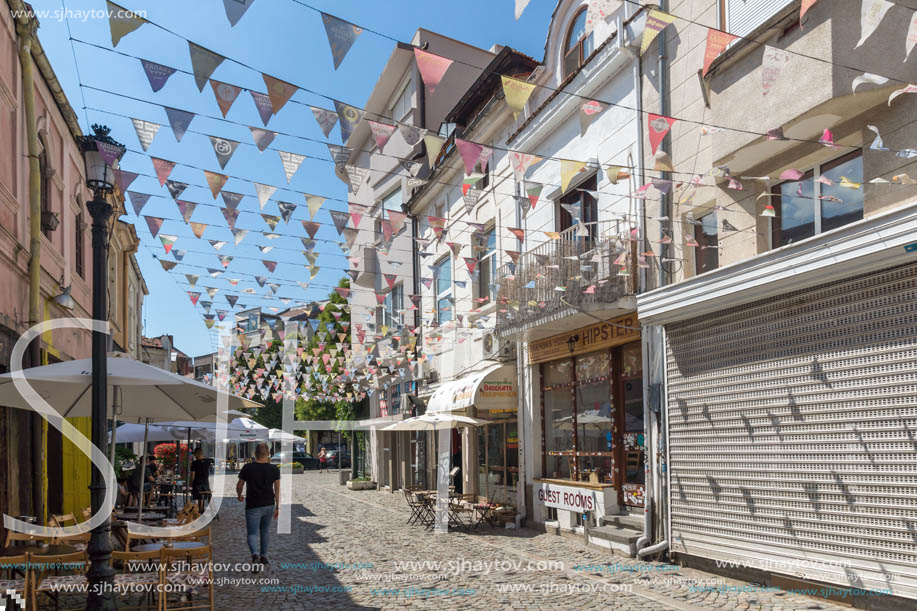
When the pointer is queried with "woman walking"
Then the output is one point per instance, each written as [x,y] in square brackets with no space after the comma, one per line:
[321,459]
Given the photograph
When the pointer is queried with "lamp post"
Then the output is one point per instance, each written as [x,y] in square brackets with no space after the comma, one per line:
[100,153]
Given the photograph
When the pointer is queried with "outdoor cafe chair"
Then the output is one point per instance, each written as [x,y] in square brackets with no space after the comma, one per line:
[69,572]
[190,573]
[12,536]
[10,568]
[416,506]
[135,570]
[59,521]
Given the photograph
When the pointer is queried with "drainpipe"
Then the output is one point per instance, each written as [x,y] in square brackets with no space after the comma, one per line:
[25,28]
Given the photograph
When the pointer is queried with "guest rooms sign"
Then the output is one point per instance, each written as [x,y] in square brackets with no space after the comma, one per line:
[565,497]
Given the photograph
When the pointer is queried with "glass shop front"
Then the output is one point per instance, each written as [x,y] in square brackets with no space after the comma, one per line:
[592,408]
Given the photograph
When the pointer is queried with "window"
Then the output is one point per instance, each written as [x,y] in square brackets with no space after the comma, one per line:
[741,17]
[396,399]
[707,254]
[577,203]
[487,263]
[44,171]
[390,312]
[403,103]
[824,198]
[442,280]
[78,247]
[579,44]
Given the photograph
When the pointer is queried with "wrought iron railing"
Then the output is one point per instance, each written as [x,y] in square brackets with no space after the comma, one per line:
[574,270]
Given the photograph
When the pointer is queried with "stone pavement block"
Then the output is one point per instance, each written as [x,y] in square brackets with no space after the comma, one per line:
[335,526]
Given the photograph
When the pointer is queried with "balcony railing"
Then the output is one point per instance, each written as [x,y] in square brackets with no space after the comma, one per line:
[575,269]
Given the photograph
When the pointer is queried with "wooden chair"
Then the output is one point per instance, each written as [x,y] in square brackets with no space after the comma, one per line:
[196,536]
[85,513]
[11,566]
[12,536]
[190,584]
[135,571]
[51,582]
[60,521]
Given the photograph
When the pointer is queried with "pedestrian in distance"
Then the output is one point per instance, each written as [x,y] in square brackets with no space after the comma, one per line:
[200,478]
[261,482]
[322,459]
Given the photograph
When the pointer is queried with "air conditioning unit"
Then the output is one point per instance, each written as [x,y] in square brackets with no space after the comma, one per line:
[498,349]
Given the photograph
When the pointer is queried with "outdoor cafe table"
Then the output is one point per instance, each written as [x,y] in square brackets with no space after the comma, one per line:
[155,547]
[151,516]
[41,550]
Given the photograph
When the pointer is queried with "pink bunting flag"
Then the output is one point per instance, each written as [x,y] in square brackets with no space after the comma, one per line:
[471,153]
[432,68]
[717,41]
[397,219]
[659,126]
[124,179]
[381,132]
[163,169]
[470,263]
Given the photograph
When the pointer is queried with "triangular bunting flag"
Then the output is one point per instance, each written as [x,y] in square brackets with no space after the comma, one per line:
[186,209]
[516,93]
[279,91]
[432,68]
[146,131]
[568,169]
[341,36]
[433,144]
[157,74]
[291,163]
[349,117]
[215,181]
[381,132]
[262,137]
[163,169]
[176,188]
[263,104]
[223,149]
[326,119]
[203,63]
[122,22]
[264,193]
[225,93]
[154,223]
[198,229]
[179,120]
[659,126]
[286,210]
[235,9]
[138,201]
[314,202]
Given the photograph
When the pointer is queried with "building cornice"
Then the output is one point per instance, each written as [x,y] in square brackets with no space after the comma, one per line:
[864,246]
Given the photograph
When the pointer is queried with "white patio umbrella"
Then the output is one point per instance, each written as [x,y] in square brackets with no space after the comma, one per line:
[146,391]
[141,392]
[131,433]
[434,422]
[281,435]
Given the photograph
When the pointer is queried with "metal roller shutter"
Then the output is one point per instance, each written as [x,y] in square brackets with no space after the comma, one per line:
[743,16]
[793,433]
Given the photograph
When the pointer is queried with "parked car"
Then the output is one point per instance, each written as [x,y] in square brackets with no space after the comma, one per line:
[304,458]
[332,457]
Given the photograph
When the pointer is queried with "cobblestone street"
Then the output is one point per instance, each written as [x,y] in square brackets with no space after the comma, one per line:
[334,525]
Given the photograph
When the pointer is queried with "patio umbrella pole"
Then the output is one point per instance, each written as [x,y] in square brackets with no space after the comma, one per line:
[188,465]
[146,432]
[115,410]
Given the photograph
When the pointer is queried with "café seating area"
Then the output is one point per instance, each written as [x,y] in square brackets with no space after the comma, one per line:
[465,512]
[50,572]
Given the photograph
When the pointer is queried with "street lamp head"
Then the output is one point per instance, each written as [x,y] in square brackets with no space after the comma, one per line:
[101,154]
[571,342]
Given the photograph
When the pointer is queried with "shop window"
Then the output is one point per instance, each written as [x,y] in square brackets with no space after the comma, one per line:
[442,280]
[592,402]
[826,197]
[579,44]
[487,263]
[707,253]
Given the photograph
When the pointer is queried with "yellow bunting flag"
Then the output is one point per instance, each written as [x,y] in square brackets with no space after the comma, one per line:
[516,93]
[434,145]
[568,169]
[656,21]
[122,22]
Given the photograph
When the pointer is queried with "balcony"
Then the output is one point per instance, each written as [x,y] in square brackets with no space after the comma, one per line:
[567,283]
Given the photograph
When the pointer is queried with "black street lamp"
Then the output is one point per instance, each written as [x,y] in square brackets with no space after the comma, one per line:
[101,154]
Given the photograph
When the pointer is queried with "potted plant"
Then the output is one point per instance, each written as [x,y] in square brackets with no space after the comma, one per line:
[296,467]
[361,483]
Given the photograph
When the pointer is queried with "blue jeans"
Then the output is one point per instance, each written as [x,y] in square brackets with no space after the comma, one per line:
[259,519]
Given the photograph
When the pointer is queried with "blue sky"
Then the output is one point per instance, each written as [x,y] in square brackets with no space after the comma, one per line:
[279,37]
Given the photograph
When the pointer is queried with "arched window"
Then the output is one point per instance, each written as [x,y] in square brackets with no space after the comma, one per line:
[578,45]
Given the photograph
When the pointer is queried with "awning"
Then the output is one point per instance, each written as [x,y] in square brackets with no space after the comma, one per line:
[492,389]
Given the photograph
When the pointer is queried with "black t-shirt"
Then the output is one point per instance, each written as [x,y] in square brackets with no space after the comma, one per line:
[201,470]
[259,478]
[136,479]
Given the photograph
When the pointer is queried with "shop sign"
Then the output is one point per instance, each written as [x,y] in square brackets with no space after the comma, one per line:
[588,339]
[569,498]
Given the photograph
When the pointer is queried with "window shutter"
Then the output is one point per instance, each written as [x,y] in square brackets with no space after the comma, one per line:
[743,16]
